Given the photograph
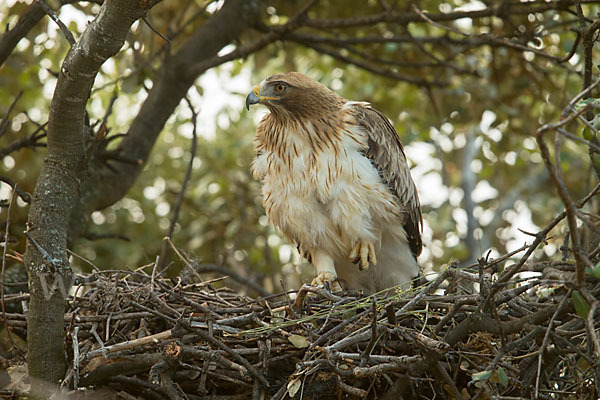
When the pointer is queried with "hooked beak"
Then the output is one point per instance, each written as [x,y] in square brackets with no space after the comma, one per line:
[253,97]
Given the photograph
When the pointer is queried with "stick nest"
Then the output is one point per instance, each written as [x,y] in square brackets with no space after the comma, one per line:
[135,336]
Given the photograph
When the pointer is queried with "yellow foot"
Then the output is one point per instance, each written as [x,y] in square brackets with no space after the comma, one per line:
[362,254]
[328,280]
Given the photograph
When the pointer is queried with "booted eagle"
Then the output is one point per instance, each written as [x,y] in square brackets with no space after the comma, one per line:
[336,182]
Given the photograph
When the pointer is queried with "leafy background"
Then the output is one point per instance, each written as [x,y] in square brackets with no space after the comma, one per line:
[473,135]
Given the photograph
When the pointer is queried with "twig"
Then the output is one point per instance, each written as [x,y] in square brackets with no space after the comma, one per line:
[589,320]
[99,236]
[4,250]
[75,356]
[188,173]
[52,263]
[385,72]
[545,341]
[29,141]
[556,175]
[5,120]
[153,29]
[541,236]
[109,109]
[430,288]
[61,25]
[153,276]
[219,269]
[26,197]
[351,390]
[374,336]
[253,371]
[130,344]
[449,381]
[244,50]
[363,372]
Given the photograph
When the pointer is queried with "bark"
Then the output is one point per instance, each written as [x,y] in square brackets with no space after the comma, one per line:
[58,188]
[11,38]
[103,187]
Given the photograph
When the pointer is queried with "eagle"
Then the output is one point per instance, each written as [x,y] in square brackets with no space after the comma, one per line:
[336,182]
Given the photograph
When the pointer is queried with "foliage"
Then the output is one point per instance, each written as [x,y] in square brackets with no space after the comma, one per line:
[494,108]
[471,87]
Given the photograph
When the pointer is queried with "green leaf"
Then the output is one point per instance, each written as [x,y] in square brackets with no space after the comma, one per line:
[502,377]
[595,122]
[298,341]
[596,160]
[582,103]
[594,272]
[583,364]
[588,134]
[581,305]
[481,376]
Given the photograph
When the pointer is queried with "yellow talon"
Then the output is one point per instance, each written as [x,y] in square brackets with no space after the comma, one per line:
[363,254]
[328,280]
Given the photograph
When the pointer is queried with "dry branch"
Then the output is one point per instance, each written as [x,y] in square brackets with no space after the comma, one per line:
[178,341]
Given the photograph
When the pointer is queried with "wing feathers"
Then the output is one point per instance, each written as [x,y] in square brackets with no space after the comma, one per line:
[387,155]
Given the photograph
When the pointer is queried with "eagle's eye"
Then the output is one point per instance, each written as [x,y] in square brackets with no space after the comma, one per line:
[280,87]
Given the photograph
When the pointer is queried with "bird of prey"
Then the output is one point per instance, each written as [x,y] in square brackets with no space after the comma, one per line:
[336,182]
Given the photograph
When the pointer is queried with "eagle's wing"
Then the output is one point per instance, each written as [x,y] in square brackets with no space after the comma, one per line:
[385,151]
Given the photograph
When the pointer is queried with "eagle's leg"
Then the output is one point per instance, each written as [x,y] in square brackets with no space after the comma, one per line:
[363,253]
[326,273]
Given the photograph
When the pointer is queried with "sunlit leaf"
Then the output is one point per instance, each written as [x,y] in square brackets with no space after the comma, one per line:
[582,307]
[293,386]
[582,103]
[298,341]
[481,376]
[502,377]
[594,272]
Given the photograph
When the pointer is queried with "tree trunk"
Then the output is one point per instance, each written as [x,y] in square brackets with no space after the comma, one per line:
[58,188]
[103,187]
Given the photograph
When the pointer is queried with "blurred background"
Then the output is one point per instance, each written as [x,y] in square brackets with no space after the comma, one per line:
[466,95]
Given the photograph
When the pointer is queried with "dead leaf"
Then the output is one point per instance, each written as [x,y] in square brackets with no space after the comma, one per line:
[293,386]
[298,341]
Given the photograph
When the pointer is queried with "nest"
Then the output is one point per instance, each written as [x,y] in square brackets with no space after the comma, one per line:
[133,335]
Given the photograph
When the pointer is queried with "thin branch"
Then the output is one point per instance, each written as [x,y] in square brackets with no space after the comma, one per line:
[242,51]
[153,29]
[590,325]
[129,344]
[26,197]
[6,120]
[61,25]
[50,262]
[388,73]
[492,40]
[204,268]
[588,33]
[500,10]
[541,237]
[164,253]
[99,236]
[555,172]
[188,172]
[31,141]
[4,250]
[545,341]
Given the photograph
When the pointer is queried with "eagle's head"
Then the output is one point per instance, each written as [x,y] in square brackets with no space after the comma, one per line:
[296,94]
